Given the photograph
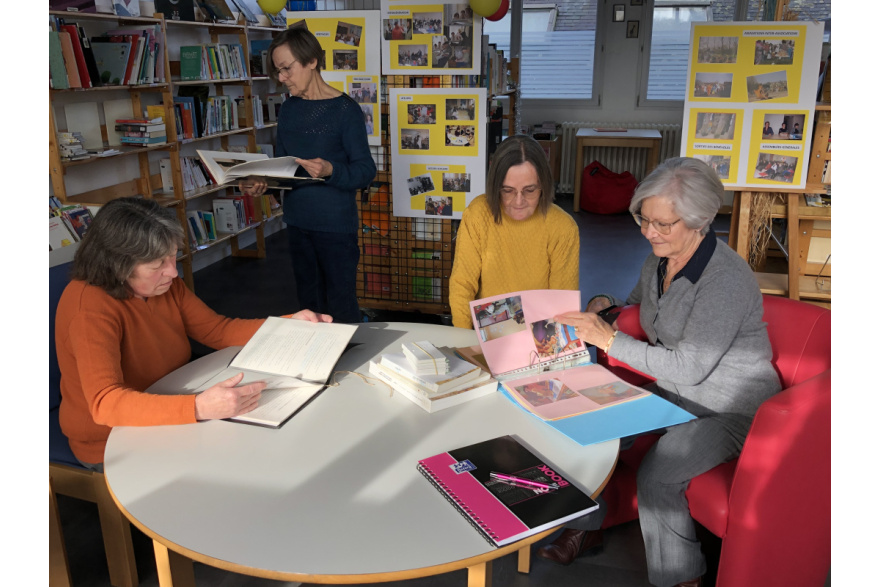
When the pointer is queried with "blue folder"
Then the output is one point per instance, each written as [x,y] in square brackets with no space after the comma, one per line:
[625,419]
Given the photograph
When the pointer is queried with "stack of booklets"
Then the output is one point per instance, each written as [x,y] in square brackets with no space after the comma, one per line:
[70,146]
[461,383]
[504,490]
[425,358]
[546,369]
[141,131]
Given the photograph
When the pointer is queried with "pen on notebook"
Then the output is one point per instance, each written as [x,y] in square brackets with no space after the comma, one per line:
[520,481]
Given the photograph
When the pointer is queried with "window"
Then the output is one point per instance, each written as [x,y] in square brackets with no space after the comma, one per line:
[558,49]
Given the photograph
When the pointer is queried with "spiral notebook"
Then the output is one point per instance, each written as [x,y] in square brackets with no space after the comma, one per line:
[504,511]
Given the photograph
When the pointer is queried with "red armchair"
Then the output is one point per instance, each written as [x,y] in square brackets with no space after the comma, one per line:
[772,506]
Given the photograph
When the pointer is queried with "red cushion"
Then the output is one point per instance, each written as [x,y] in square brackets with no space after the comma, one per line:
[708,497]
[606,192]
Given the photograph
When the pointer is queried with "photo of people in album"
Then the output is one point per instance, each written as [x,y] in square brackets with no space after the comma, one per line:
[349,34]
[720,164]
[783,127]
[500,318]
[414,138]
[344,60]
[713,85]
[774,52]
[460,108]
[553,338]
[364,92]
[610,392]
[427,23]
[715,125]
[421,114]
[420,184]
[397,29]
[541,393]
[438,206]
[717,50]
[775,167]
[412,55]
[767,86]
[456,182]
[459,135]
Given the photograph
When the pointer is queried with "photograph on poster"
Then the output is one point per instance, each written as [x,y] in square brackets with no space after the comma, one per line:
[715,125]
[459,136]
[774,52]
[767,86]
[775,167]
[412,55]
[427,23]
[456,182]
[411,138]
[458,14]
[717,49]
[344,60]
[785,127]
[460,109]
[348,34]
[420,184]
[720,164]
[438,206]
[447,54]
[713,85]
[397,29]
[421,114]
[364,92]
[368,117]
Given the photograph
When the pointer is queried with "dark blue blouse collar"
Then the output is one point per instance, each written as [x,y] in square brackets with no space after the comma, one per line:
[697,263]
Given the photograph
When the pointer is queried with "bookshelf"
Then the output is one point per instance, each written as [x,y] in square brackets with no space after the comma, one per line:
[73,182]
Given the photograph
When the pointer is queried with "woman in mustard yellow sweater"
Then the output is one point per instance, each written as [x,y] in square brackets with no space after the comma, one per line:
[503,245]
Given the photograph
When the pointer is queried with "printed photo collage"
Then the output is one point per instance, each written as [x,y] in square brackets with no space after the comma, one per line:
[435,36]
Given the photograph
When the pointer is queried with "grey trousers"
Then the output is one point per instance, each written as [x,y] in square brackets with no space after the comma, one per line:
[682,453]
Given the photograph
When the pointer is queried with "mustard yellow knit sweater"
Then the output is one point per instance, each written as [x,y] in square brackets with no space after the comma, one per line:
[541,252]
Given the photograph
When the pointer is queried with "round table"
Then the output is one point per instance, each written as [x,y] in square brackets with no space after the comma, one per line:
[333,496]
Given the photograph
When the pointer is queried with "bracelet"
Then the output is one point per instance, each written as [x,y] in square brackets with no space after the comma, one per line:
[610,340]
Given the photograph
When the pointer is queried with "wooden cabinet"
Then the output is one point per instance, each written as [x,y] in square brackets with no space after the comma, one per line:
[135,171]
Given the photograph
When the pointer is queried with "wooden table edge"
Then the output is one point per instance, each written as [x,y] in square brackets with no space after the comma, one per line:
[440,569]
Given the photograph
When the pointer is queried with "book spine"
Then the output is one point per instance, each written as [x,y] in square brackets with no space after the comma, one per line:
[456,502]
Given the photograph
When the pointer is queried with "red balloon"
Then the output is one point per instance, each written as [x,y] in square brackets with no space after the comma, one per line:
[502,11]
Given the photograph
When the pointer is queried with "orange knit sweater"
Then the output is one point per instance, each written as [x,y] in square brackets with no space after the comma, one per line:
[110,350]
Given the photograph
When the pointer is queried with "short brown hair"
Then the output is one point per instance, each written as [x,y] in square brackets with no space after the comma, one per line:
[517,150]
[124,233]
[302,44]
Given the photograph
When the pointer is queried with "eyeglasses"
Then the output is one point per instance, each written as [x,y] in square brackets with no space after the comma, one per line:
[661,227]
[284,70]
[530,193]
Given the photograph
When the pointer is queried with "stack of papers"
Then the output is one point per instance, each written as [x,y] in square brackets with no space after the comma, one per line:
[425,359]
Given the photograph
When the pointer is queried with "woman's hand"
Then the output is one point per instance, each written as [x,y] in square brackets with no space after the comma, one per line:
[253,186]
[310,316]
[317,167]
[589,327]
[225,400]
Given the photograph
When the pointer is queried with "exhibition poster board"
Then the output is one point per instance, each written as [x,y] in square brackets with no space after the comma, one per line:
[421,37]
[350,39]
[751,100]
[438,153]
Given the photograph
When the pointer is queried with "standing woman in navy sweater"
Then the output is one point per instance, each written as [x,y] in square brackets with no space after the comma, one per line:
[324,129]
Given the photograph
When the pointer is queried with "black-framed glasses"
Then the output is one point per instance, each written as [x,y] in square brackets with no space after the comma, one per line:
[661,227]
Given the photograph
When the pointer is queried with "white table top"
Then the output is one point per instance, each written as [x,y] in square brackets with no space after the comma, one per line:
[335,490]
[633,133]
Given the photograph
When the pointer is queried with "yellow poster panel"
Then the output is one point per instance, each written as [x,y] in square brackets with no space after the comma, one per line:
[438,190]
[364,89]
[776,149]
[438,125]
[715,137]
[747,64]
[430,36]
[341,39]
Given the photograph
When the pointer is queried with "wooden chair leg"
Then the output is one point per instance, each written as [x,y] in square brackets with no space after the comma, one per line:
[59,569]
[116,532]
[480,575]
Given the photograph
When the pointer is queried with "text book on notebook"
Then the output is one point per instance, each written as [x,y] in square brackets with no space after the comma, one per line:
[504,513]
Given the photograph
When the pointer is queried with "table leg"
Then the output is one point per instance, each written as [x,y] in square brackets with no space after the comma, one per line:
[653,158]
[480,575]
[174,570]
[524,559]
[742,224]
[578,174]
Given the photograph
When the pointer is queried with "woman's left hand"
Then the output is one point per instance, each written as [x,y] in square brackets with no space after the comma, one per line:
[589,327]
[317,167]
[310,316]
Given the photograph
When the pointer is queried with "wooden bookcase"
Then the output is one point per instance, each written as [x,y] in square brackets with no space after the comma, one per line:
[145,179]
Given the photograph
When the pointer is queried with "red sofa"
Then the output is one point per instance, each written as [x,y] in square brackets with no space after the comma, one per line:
[772,506]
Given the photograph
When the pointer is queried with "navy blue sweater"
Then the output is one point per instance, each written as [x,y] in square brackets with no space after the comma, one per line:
[333,130]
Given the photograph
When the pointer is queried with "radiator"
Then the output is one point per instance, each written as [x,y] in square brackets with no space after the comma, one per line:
[617,159]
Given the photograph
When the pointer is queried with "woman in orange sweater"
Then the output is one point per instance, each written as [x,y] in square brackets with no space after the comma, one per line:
[123,323]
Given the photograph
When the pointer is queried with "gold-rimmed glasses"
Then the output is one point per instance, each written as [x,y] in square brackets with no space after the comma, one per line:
[661,227]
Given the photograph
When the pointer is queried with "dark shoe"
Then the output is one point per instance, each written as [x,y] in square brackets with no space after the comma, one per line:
[698,582]
[570,545]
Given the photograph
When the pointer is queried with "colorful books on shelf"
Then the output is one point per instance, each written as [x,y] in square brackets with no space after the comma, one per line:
[505,490]
[545,369]
[74,217]
[226,167]
[218,61]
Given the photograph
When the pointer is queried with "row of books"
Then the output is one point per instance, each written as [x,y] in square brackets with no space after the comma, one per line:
[67,223]
[140,131]
[124,56]
[196,117]
[462,382]
[210,62]
[227,216]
